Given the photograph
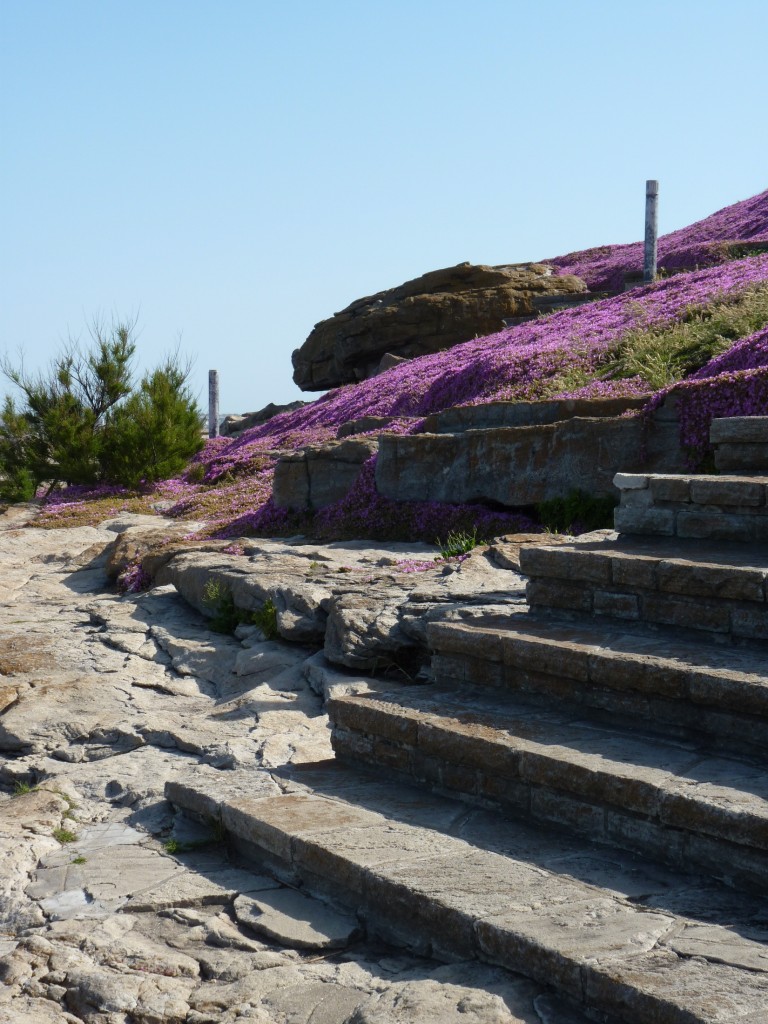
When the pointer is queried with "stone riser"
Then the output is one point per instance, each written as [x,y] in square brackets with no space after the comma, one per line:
[730,620]
[660,586]
[725,508]
[740,525]
[647,810]
[676,718]
[742,458]
[736,865]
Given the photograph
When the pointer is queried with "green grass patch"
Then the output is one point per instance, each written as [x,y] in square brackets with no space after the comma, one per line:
[458,542]
[63,835]
[669,352]
[20,788]
[226,616]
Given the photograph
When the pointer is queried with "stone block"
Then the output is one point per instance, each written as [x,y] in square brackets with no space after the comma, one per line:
[554,944]
[636,499]
[582,817]
[319,475]
[513,465]
[559,594]
[630,481]
[426,768]
[459,778]
[740,866]
[741,458]
[739,429]
[688,612]
[564,563]
[270,823]
[509,795]
[453,637]
[750,623]
[351,745]
[634,572]
[700,525]
[626,672]
[655,521]
[545,687]
[391,756]
[727,491]
[561,659]
[371,717]
[646,837]
[677,576]
[617,605]
[472,745]
[670,488]
[661,987]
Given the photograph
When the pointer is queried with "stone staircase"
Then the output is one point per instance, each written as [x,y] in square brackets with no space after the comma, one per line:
[581,796]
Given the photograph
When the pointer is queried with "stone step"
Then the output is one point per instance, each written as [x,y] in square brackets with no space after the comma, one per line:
[716,587]
[729,507]
[669,800]
[615,934]
[667,680]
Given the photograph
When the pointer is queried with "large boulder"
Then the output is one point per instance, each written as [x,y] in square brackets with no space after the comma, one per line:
[429,314]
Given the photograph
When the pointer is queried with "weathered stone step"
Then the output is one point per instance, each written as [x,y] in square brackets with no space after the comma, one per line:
[725,508]
[671,801]
[717,587]
[631,942]
[671,681]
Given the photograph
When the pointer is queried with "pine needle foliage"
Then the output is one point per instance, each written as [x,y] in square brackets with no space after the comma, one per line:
[84,421]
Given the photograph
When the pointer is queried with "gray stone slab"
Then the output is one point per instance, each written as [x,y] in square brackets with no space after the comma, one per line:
[291,919]
[193,889]
[552,944]
[739,429]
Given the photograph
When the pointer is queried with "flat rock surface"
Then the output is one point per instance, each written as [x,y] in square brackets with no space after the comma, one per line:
[114,909]
[291,919]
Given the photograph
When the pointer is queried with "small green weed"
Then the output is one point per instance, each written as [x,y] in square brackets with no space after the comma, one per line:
[266,619]
[227,616]
[458,542]
[63,835]
[577,512]
[20,788]
[78,860]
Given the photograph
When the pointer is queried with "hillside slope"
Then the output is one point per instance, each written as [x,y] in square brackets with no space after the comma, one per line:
[590,350]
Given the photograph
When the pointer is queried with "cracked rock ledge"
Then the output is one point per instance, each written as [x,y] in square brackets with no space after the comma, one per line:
[118,908]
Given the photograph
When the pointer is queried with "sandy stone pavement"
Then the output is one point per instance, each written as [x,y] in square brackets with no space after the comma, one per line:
[113,908]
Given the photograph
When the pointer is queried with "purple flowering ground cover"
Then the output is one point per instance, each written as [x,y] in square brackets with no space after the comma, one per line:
[228,483]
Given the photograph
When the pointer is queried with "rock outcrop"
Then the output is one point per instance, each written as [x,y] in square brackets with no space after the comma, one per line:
[234,425]
[112,906]
[429,314]
[318,475]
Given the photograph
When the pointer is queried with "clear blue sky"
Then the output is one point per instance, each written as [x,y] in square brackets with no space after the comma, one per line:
[232,172]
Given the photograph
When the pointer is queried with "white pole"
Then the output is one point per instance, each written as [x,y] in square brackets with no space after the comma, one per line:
[651,231]
[213,403]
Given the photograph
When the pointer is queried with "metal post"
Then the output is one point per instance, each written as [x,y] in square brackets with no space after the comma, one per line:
[213,403]
[651,231]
